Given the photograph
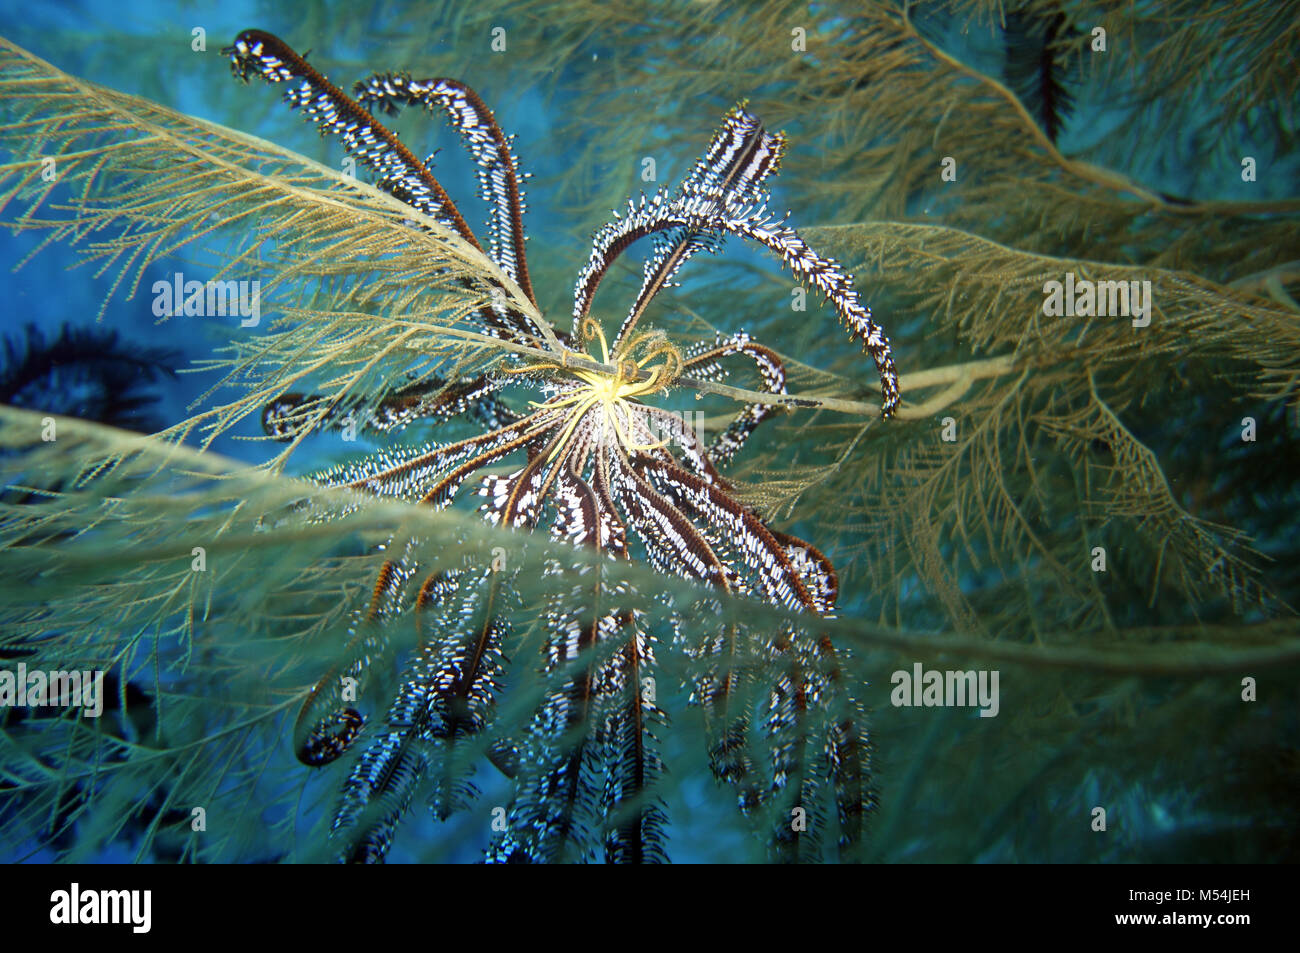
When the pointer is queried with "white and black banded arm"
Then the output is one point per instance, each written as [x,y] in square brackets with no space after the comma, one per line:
[397,170]
[262,54]
[701,363]
[434,400]
[731,172]
[724,195]
[498,168]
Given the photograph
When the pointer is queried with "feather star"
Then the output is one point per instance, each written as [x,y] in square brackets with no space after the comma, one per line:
[601,468]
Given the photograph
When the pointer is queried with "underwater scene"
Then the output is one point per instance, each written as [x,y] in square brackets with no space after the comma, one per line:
[688,431]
